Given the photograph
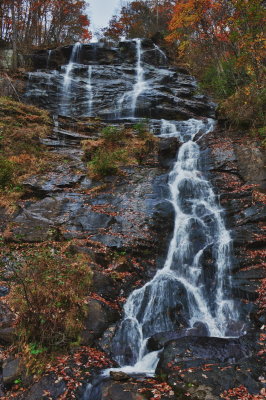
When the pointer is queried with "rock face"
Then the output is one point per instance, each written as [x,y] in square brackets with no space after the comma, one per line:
[11,370]
[218,363]
[103,80]
[125,222]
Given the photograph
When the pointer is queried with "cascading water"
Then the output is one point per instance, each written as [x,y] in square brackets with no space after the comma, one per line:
[66,86]
[139,87]
[162,54]
[181,287]
[90,91]
[48,58]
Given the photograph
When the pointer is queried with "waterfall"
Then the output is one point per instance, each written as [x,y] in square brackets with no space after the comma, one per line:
[182,285]
[163,56]
[140,84]
[139,87]
[89,91]
[48,58]
[66,85]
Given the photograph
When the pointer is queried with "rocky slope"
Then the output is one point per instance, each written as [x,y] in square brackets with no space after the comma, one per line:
[124,223]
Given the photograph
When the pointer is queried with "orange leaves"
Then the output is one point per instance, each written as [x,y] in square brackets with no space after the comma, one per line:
[241,393]
[196,18]
[44,22]
[156,390]
[141,18]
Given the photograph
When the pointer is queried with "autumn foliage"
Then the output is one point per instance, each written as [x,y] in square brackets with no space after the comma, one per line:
[223,43]
[49,297]
[140,19]
[28,23]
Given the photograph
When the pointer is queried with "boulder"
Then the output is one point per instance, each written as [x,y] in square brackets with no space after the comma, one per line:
[120,391]
[99,317]
[119,376]
[167,152]
[7,331]
[49,384]
[217,363]
[158,341]
[12,369]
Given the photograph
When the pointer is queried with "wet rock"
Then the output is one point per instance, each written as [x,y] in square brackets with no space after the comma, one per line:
[99,317]
[168,151]
[52,182]
[4,291]
[119,376]
[8,335]
[118,391]
[104,285]
[12,369]
[251,163]
[219,363]
[6,316]
[171,93]
[106,339]
[158,341]
[49,383]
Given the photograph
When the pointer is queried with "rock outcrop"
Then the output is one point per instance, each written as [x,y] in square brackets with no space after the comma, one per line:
[125,222]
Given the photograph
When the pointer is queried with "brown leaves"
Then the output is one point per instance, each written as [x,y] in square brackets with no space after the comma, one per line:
[241,393]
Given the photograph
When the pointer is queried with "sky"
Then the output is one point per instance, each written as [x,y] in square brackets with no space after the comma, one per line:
[100,12]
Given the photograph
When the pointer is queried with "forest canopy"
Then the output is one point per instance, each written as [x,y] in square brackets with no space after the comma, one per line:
[33,23]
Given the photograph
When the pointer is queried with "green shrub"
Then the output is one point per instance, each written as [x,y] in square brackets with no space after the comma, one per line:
[246,107]
[142,129]
[6,172]
[112,134]
[106,162]
[223,79]
[49,298]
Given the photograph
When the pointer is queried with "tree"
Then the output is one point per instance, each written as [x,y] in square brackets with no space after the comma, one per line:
[220,29]
[223,42]
[43,23]
[140,19]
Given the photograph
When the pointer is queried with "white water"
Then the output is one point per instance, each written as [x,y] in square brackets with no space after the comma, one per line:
[90,91]
[182,282]
[67,79]
[163,56]
[139,87]
[48,58]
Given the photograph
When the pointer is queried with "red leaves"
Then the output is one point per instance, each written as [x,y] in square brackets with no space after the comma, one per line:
[73,369]
[102,300]
[51,21]
[241,393]
[158,390]
[141,18]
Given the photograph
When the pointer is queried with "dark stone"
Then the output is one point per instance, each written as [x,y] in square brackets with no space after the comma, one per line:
[158,341]
[104,285]
[8,335]
[6,316]
[99,317]
[251,163]
[230,363]
[52,182]
[4,291]
[48,383]
[167,152]
[119,376]
[120,391]
[11,370]
[171,94]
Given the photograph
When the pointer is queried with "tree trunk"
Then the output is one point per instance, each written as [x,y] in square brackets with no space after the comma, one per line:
[14,37]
